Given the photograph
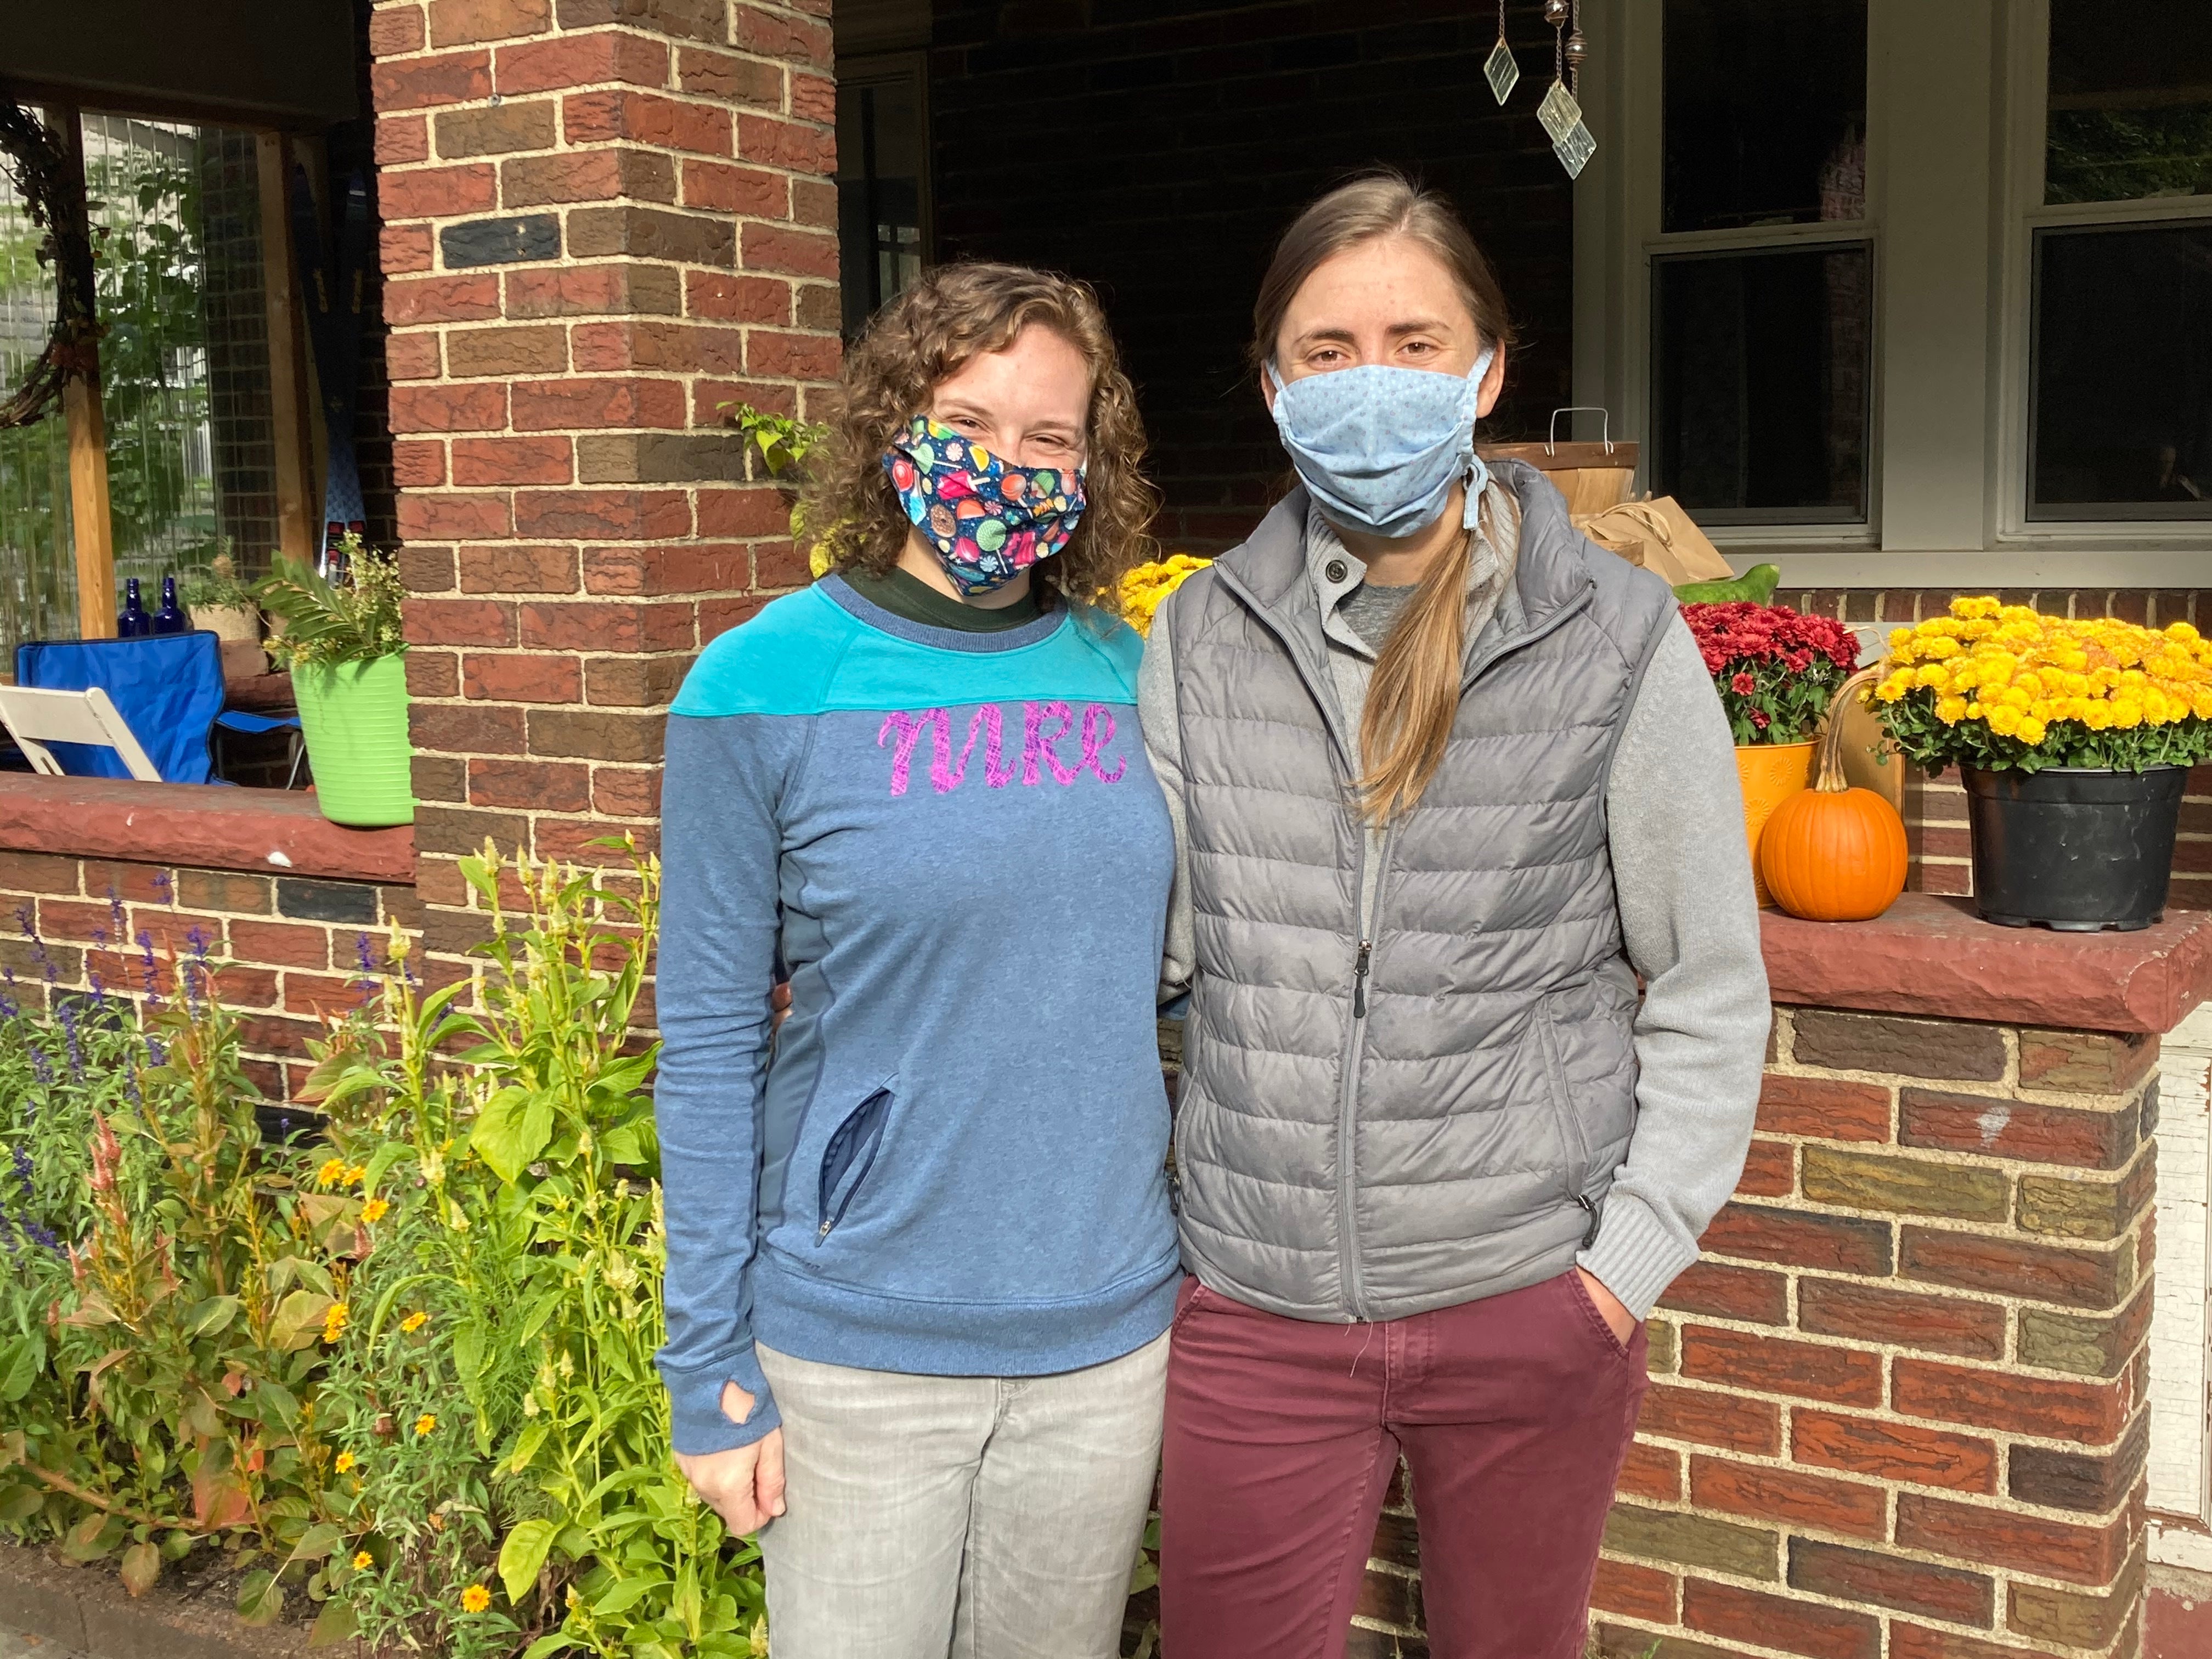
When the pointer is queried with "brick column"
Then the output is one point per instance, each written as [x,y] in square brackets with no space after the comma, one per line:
[601,218]
[1902,1400]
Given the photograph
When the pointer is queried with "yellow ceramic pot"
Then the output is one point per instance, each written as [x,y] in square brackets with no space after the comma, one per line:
[1771,773]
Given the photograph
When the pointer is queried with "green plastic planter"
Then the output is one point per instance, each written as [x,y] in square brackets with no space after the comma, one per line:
[355,717]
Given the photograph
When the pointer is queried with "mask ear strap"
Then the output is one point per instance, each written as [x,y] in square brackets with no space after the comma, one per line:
[1273,379]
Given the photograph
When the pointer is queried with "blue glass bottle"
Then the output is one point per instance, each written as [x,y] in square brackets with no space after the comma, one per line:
[170,618]
[133,622]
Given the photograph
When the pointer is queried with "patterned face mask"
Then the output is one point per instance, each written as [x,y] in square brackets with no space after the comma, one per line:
[989,521]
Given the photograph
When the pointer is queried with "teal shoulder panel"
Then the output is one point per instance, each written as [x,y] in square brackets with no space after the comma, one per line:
[805,654]
[776,663]
[1073,663]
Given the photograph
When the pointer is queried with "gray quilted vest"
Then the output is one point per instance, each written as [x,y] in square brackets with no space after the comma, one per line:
[1368,1130]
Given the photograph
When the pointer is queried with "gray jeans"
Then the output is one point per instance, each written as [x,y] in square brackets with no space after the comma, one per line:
[975,1516]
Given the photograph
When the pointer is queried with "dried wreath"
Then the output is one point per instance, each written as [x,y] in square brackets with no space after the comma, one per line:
[37,161]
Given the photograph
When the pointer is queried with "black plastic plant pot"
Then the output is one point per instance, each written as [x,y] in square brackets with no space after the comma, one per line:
[2075,849]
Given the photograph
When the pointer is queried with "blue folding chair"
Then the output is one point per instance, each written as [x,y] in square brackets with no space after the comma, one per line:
[168,687]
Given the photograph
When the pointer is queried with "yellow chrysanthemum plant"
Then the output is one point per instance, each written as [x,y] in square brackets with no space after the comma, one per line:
[1147,588]
[2001,687]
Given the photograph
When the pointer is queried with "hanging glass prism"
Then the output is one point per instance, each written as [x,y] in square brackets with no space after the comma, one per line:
[1501,70]
[1562,119]
[1575,149]
[1560,112]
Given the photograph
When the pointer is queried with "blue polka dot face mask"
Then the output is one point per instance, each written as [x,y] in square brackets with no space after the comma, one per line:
[1379,448]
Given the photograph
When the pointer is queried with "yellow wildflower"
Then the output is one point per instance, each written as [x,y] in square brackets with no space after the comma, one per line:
[1934,676]
[331,1173]
[475,1599]
[356,1174]
[345,1462]
[362,1561]
[414,1321]
[1950,710]
[424,1424]
[374,1211]
[2031,730]
[334,1321]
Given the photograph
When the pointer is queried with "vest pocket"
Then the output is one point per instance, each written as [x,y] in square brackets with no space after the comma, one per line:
[850,1154]
[1574,1145]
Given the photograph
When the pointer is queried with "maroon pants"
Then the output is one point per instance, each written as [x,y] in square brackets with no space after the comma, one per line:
[1513,1413]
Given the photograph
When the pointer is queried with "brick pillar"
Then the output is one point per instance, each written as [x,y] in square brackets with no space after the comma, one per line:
[1899,1406]
[601,218]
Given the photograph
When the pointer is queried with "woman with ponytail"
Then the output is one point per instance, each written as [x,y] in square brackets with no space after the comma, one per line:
[1477,1007]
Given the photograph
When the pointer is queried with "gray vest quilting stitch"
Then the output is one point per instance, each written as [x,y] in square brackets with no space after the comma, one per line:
[1455,1142]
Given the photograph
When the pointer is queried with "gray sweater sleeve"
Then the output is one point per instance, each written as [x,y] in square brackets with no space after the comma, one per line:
[1156,708]
[1675,813]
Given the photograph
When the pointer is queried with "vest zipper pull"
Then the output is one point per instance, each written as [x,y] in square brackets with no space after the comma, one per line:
[1359,981]
[1590,1234]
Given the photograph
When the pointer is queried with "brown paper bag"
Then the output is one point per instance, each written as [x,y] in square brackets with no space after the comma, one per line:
[1659,535]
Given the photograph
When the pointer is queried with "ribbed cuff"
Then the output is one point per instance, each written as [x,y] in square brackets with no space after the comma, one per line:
[1636,1256]
[694,1399]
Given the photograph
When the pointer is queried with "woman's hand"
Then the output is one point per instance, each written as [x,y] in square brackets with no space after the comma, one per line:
[1618,1319]
[744,1484]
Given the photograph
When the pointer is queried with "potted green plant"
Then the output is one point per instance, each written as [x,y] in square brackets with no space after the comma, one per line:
[219,600]
[2074,740]
[343,643]
[1777,670]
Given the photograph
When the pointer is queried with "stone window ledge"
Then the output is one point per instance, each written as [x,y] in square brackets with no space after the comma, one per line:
[262,831]
[1933,957]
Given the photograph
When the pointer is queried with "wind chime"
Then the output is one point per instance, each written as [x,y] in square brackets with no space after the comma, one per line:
[1561,111]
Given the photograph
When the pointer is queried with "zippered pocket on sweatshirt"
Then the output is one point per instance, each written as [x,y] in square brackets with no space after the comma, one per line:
[848,1156]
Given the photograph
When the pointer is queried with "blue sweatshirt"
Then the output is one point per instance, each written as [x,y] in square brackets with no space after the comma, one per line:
[952,1162]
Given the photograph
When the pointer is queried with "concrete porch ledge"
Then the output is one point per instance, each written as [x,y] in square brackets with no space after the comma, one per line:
[1935,958]
[267,831]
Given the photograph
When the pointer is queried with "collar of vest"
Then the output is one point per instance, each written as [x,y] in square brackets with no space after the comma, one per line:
[1548,573]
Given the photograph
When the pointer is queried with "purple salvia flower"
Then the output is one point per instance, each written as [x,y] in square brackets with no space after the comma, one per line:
[152,971]
[165,887]
[99,937]
[43,1067]
[115,912]
[68,1015]
[364,954]
[200,940]
[155,1052]
[23,1170]
[24,924]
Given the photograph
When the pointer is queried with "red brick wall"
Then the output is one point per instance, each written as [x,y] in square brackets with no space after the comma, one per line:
[601,219]
[290,947]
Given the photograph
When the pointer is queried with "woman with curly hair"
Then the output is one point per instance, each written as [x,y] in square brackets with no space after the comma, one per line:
[921,1262]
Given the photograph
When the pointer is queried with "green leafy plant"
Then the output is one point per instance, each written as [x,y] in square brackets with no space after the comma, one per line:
[170,1285]
[782,440]
[525,1237]
[215,585]
[355,619]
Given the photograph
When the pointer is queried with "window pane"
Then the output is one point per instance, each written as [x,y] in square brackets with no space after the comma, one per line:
[1759,370]
[183,354]
[2131,101]
[38,579]
[1765,109]
[880,145]
[2123,391]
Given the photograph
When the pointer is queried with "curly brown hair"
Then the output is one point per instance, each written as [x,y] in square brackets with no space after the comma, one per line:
[956,313]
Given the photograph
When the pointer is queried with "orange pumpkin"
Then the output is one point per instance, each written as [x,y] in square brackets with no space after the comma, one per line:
[1833,853]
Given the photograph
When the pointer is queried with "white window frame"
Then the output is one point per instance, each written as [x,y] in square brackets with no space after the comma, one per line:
[1956,96]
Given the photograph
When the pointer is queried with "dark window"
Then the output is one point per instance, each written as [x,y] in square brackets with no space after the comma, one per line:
[1759,372]
[1765,112]
[2122,402]
[2131,101]
[881,186]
